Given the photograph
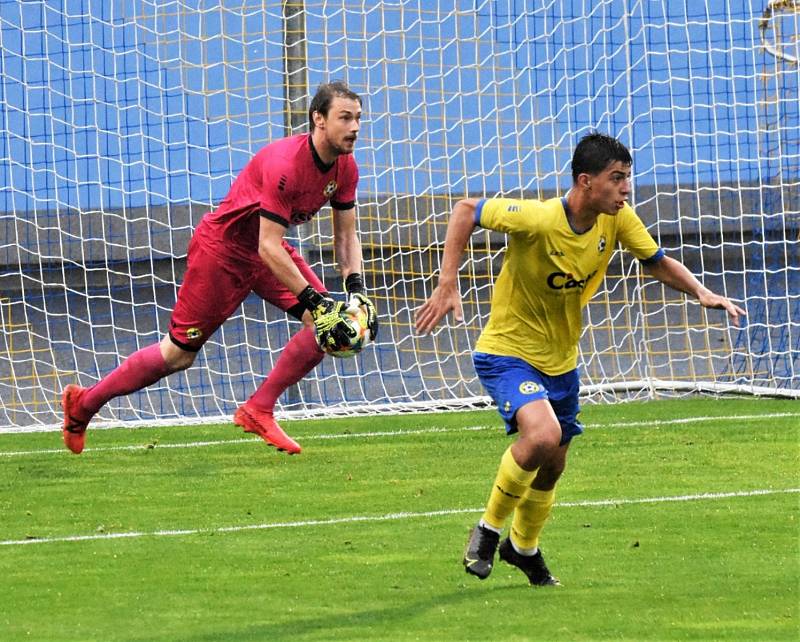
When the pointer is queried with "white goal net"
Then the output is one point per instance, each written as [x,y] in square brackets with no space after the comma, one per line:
[122,123]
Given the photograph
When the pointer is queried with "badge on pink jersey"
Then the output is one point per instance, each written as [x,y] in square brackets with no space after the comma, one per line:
[330,189]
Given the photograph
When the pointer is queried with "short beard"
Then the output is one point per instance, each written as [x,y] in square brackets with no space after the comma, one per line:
[339,149]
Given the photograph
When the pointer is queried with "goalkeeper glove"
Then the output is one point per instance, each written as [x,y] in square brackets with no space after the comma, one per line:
[354,286]
[331,329]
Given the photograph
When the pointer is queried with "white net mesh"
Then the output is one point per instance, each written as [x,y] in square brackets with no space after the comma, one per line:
[123,122]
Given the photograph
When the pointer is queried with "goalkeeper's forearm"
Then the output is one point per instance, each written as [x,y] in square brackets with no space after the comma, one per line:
[274,255]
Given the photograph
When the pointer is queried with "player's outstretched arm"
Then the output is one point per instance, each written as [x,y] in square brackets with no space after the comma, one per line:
[677,276]
[445,296]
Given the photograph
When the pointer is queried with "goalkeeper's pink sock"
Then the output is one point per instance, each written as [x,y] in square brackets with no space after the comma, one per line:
[138,371]
[299,357]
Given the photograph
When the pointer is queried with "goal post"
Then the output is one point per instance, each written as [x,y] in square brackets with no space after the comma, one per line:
[122,123]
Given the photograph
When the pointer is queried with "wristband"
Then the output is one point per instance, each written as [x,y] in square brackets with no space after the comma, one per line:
[309,298]
[354,283]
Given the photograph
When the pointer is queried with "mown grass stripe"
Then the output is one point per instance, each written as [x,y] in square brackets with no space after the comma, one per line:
[392,433]
[386,517]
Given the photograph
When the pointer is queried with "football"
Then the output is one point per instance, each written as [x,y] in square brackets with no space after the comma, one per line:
[356,318]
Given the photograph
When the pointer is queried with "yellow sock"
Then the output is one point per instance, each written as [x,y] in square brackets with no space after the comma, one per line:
[529,517]
[509,487]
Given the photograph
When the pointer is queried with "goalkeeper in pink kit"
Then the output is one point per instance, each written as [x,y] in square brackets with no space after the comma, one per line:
[240,248]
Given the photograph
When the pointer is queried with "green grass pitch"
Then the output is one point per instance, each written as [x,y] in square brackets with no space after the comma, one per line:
[675,520]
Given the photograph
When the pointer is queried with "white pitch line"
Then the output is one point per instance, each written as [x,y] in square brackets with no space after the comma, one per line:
[691,420]
[248,440]
[153,445]
[382,518]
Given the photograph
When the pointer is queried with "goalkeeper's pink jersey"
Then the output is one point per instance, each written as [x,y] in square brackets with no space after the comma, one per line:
[286,182]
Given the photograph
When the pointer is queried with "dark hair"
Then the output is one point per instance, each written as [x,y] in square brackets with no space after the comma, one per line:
[595,152]
[322,100]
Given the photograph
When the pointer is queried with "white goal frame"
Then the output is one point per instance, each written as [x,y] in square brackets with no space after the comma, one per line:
[121,124]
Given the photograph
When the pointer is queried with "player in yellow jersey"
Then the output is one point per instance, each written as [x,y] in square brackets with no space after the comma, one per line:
[526,357]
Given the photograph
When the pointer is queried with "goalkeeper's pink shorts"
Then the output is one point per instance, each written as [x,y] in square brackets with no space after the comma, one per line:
[213,288]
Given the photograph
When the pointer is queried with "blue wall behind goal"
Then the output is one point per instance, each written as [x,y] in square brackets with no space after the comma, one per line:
[127,104]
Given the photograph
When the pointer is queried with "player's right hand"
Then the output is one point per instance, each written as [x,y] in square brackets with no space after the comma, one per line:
[330,327]
[333,332]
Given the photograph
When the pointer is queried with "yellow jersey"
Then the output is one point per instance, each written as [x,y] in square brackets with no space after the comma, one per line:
[549,274]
